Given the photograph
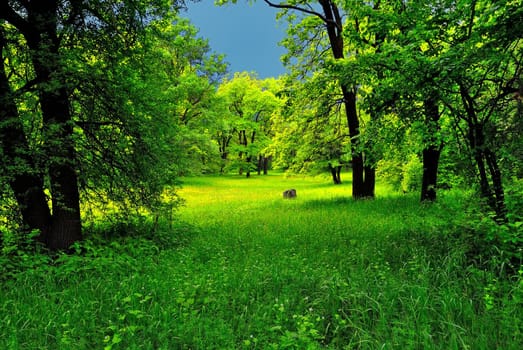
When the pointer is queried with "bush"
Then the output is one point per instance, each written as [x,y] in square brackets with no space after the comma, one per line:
[412,172]
[403,176]
[19,252]
[389,170]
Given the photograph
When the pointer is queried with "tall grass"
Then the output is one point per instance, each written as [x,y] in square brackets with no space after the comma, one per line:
[255,271]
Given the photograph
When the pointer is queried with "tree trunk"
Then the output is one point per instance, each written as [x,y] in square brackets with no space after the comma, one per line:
[336,174]
[497,185]
[259,165]
[485,159]
[243,141]
[363,176]
[363,183]
[431,155]
[43,41]
[431,152]
[26,182]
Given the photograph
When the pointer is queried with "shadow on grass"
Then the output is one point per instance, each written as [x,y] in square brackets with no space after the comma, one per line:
[389,204]
[165,234]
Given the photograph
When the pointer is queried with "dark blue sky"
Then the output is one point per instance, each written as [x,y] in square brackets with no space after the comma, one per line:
[247,35]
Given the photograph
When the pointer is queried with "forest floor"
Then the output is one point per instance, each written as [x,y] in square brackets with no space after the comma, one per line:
[243,268]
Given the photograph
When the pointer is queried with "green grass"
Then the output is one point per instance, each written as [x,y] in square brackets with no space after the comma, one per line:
[255,271]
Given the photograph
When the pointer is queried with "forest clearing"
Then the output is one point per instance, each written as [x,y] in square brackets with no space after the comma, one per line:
[251,270]
[153,196]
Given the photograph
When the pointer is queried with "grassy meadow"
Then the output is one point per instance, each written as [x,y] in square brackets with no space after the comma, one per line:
[242,268]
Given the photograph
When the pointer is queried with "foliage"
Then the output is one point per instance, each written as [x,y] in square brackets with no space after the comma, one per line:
[98,108]
[412,171]
[310,133]
[155,126]
[250,104]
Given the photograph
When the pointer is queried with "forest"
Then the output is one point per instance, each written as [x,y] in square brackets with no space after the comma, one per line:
[142,182]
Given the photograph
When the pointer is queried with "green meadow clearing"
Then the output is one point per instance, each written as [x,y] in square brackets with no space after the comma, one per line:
[242,268]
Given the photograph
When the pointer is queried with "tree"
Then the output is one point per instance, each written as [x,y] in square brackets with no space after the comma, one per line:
[330,17]
[390,36]
[39,28]
[18,167]
[310,134]
[483,63]
[77,54]
[250,105]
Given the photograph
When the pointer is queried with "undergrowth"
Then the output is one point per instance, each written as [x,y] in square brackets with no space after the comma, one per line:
[254,271]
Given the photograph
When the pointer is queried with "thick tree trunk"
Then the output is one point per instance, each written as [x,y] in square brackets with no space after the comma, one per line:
[43,41]
[26,182]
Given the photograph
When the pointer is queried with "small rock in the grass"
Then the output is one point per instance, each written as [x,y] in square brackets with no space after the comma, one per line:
[289,193]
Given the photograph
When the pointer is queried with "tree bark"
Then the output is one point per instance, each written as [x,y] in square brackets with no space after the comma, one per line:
[266,161]
[431,155]
[485,160]
[42,39]
[431,152]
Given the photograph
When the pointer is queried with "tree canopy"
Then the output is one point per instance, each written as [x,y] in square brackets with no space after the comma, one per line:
[106,103]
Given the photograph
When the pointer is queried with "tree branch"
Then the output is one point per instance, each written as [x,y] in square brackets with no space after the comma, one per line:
[304,10]
[8,14]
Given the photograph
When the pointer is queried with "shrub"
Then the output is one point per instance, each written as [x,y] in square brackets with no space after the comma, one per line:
[412,172]
[389,170]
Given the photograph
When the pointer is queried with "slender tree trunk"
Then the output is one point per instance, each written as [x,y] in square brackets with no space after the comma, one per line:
[497,186]
[336,174]
[223,144]
[66,227]
[485,159]
[243,142]
[363,175]
[26,183]
[265,165]
[431,153]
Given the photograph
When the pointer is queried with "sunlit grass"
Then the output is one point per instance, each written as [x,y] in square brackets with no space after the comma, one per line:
[257,271]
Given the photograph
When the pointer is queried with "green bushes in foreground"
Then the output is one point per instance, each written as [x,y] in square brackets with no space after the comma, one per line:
[254,271]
